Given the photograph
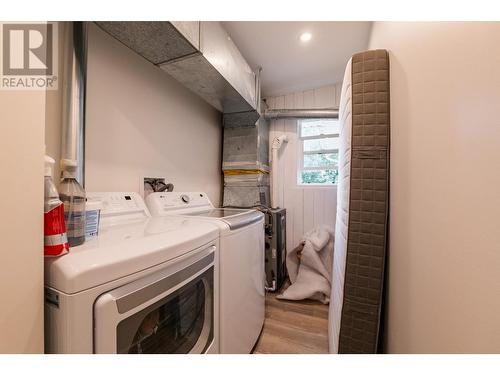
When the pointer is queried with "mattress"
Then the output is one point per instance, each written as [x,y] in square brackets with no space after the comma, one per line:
[362,205]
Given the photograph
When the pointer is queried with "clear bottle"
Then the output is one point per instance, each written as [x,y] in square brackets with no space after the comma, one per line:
[72,195]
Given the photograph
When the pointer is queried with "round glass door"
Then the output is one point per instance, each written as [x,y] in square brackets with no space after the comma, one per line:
[182,322]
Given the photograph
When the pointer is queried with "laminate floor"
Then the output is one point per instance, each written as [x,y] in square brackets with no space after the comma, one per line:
[293,327]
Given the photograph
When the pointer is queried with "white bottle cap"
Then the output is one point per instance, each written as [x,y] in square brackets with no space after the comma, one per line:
[49,162]
[68,167]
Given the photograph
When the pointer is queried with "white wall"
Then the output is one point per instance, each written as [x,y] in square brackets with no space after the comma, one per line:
[22,119]
[142,123]
[307,206]
[444,260]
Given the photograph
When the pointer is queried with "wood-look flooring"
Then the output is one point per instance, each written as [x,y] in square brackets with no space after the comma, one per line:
[293,327]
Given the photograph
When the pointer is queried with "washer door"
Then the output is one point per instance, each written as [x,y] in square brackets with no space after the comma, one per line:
[170,311]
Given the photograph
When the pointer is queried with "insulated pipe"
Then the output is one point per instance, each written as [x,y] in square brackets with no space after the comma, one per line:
[257,88]
[275,146]
[74,87]
[270,114]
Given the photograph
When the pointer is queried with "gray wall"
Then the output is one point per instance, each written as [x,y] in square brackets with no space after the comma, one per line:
[141,122]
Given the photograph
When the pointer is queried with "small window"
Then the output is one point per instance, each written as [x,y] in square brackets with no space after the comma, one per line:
[319,151]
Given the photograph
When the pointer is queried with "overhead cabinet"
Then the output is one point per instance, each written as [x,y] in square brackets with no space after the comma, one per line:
[200,55]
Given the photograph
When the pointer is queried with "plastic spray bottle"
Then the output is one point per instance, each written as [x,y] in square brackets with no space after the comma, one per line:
[72,195]
[55,239]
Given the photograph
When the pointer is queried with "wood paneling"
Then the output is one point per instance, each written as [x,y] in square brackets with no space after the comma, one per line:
[307,206]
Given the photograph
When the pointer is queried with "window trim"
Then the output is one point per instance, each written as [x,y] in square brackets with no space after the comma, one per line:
[319,136]
[301,153]
[322,151]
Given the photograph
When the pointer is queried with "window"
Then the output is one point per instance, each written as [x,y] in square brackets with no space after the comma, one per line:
[319,151]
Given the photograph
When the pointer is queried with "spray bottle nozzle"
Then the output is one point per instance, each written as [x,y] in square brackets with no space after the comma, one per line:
[49,163]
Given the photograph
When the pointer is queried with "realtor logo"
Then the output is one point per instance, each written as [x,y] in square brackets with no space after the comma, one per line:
[29,56]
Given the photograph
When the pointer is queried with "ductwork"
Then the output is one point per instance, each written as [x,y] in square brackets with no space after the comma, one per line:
[74,85]
[271,114]
[200,55]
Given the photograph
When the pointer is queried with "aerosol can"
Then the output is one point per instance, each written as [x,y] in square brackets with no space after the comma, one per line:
[72,195]
[55,238]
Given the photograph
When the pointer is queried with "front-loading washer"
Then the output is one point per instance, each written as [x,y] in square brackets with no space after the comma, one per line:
[144,285]
[241,271]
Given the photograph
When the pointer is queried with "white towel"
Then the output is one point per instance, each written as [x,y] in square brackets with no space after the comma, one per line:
[311,274]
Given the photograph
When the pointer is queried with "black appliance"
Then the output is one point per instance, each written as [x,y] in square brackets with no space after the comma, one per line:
[275,249]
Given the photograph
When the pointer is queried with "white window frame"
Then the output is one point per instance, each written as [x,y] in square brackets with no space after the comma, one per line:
[301,153]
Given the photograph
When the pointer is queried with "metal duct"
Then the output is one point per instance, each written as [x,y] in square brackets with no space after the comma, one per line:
[270,114]
[74,84]
[219,73]
[200,55]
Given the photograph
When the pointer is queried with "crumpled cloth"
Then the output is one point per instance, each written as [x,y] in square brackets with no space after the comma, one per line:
[310,266]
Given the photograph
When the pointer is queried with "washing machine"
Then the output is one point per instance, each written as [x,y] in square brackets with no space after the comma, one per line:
[241,271]
[144,285]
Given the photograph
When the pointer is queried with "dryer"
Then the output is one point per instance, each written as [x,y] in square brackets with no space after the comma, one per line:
[144,285]
[241,255]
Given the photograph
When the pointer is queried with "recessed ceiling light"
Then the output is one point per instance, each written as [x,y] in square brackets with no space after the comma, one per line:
[305,37]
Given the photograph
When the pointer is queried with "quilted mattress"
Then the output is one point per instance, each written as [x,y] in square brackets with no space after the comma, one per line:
[362,205]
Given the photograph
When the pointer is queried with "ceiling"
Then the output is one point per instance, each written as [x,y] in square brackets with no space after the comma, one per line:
[290,65]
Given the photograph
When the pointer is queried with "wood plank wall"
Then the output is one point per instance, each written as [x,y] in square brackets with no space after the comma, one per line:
[307,206]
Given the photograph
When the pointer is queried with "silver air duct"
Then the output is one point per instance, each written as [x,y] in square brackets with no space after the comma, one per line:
[271,114]
[74,84]
[200,55]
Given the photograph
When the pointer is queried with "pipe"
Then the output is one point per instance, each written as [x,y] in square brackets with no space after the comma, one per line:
[257,89]
[74,86]
[301,113]
[275,146]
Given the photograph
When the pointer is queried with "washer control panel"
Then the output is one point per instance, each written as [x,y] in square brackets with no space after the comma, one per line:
[177,202]
[119,206]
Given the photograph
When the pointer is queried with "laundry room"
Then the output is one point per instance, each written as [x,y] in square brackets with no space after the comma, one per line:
[153,158]
[250,184]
